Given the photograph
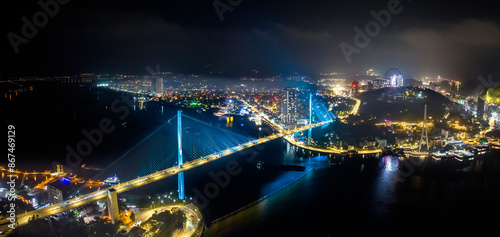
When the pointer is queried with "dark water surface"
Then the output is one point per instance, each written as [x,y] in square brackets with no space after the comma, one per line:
[355,199]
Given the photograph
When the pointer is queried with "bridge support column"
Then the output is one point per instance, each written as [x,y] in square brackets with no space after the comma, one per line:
[113,211]
[180,175]
[310,119]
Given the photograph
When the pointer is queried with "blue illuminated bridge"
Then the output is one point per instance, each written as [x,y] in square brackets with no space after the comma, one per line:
[197,143]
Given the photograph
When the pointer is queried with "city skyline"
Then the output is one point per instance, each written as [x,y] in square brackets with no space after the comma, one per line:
[225,118]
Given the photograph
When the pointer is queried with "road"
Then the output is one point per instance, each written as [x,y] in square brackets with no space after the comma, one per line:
[191,225]
[332,150]
[323,150]
[189,210]
[355,109]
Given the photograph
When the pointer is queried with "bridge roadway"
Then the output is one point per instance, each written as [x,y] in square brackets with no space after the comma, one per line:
[320,150]
[75,202]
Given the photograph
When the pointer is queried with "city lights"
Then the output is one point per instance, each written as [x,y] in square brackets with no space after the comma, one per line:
[250,118]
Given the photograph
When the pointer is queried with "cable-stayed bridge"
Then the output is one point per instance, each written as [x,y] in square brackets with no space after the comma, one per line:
[198,143]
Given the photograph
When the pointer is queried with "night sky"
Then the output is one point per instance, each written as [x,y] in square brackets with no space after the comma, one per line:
[454,39]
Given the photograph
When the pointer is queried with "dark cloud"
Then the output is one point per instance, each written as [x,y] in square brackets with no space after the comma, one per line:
[454,49]
[455,39]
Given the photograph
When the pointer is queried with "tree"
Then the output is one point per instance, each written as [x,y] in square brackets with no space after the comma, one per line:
[21,206]
[102,227]
[71,228]
[143,203]
[132,216]
[171,222]
[37,227]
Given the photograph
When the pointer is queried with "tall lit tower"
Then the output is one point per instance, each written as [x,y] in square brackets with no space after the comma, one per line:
[424,131]
[354,88]
[310,119]
[158,86]
[453,90]
[180,176]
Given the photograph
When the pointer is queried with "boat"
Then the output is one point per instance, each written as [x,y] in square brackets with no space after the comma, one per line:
[438,155]
[280,167]
[460,155]
[112,180]
[481,149]
[495,146]
[259,165]
[463,155]
[85,167]
[416,154]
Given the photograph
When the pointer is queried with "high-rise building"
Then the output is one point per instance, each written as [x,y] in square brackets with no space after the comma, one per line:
[158,86]
[58,191]
[480,108]
[354,88]
[455,87]
[453,90]
[369,86]
[289,107]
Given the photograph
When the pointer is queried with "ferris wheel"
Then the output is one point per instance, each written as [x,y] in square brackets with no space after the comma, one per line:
[395,77]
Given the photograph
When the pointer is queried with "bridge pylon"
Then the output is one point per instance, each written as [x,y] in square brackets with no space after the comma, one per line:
[113,210]
[310,120]
[180,175]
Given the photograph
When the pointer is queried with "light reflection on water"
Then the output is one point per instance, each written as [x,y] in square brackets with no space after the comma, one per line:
[348,196]
[384,184]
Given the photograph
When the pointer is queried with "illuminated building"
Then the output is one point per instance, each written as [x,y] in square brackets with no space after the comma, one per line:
[370,73]
[369,86]
[58,191]
[455,87]
[354,88]
[289,107]
[157,84]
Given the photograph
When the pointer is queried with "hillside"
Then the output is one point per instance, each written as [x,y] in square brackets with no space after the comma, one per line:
[491,95]
[402,104]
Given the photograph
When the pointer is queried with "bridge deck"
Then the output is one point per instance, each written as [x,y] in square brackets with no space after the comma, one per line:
[75,202]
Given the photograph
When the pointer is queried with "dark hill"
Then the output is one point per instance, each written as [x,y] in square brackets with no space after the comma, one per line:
[402,104]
